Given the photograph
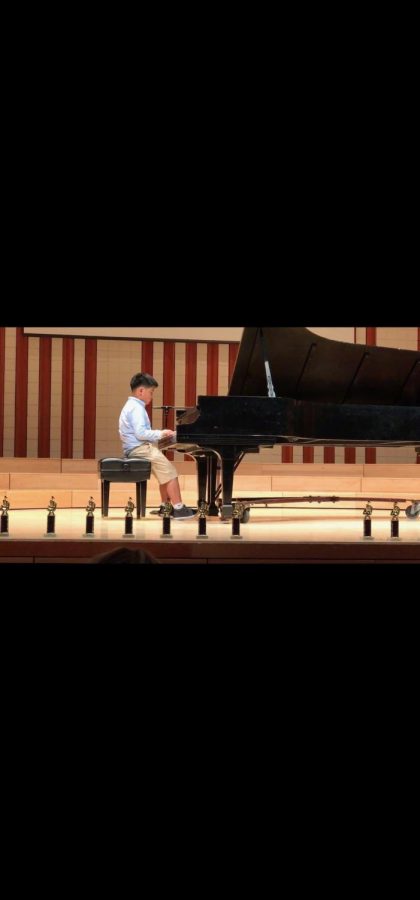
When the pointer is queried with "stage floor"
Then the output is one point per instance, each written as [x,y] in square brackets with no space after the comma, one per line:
[271,535]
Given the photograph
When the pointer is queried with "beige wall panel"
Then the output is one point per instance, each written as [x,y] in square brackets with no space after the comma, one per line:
[117,362]
[52,480]
[179,377]
[23,464]
[38,499]
[406,488]
[401,338]
[396,455]
[315,483]
[223,370]
[201,370]
[212,333]
[79,398]
[391,471]
[33,391]
[4,481]
[9,392]
[341,333]
[79,499]
[322,469]
[157,373]
[79,465]
[56,388]
[252,483]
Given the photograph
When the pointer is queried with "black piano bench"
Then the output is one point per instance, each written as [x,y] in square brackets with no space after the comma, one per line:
[125,471]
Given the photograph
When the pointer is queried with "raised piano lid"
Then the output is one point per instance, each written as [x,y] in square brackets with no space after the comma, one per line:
[306,366]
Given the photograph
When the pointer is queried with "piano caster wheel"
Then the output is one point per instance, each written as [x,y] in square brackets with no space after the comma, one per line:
[413,511]
[245,516]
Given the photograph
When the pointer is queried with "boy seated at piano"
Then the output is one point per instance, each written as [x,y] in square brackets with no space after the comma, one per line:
[139,440]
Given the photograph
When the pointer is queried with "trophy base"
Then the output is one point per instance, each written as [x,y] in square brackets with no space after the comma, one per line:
[4,534]
[236,537]
[166,536]
[367,537]
[128,535]
[392,538]
[201,537]
[50,534]
[88,534]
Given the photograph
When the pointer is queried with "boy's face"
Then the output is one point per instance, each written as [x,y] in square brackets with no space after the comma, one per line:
[146,394]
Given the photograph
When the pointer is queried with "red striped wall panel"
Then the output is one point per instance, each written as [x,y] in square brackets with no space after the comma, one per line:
[370,452]
[147,367]
[67,395]
[190,377]
[168,398]
[44,396]
[233,354]
[212,370]
[89,423]
[21,393]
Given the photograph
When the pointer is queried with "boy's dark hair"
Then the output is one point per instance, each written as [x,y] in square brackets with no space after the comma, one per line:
[142,379]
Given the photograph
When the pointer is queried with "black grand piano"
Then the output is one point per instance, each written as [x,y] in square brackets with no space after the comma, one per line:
[292,386]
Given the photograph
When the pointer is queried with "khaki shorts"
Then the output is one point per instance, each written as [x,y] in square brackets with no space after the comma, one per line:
[162,468]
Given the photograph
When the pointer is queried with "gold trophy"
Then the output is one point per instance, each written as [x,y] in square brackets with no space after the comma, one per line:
[90,520]
[51,508]
[128,531]
[166,520]
[367,524]
[395,511]
[5,506]
[237,513]
[203,509]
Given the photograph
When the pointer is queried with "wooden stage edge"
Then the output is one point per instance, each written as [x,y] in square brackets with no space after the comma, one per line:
[56,550]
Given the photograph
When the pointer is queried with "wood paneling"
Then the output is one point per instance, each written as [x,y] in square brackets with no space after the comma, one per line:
[169,384]
[212,369]
[190,377]
[21,393]
[233,354]
[67,394]
[370,452]
[89,424]
[44,396]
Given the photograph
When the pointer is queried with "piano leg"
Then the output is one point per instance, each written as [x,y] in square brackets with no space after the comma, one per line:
[201,476]
[211,485]
[206,478]
[228,455]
